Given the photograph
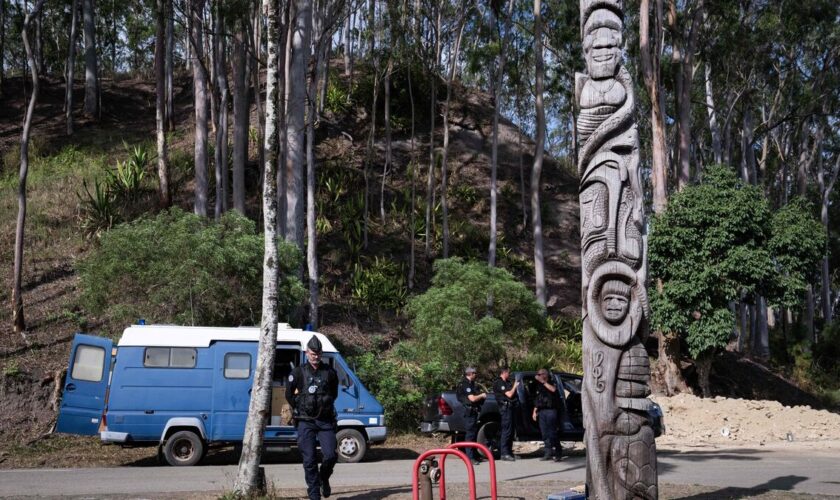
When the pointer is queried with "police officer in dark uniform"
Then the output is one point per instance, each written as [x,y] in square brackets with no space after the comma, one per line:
[546,411]
[505,392]
[471,398]
[311,392]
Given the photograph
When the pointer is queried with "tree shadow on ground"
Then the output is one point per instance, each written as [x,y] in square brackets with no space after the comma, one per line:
[782,483]
[699,456]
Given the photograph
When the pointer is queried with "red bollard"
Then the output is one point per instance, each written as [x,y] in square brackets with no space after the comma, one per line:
[444,451]
[490,459]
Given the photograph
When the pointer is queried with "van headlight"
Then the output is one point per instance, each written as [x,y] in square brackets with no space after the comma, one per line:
[382,420]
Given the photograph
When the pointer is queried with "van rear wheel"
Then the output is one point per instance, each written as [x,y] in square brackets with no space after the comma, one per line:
[350,446]
[183,448]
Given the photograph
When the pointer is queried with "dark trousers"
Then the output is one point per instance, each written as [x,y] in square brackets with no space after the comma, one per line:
[548,428]
[471,427]
[311,432]
[506,440]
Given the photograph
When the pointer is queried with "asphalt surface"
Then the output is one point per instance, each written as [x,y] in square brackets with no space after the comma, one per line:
[808,472]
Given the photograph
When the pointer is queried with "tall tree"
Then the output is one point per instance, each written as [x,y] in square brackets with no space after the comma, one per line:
[248,478]
[453,64]
[683,56]
[91,65]
[18,320]
[241,110]
[2,45]
[169,65]
[221,159]
[201,107]
[536,172]
[651,57]
[164,199]
[434,67]
[296,123]
[71,65]
[498,81]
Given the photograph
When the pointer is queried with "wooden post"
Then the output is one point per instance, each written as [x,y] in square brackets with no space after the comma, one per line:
[620,447]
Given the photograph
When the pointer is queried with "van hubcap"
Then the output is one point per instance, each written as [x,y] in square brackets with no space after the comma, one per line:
[348,447]
[183,449]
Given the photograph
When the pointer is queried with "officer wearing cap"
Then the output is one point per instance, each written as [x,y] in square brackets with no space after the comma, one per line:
[505,392]
[311,392]
[470,398]
[546,412]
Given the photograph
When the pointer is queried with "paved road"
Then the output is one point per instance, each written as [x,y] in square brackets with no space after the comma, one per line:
[812,472]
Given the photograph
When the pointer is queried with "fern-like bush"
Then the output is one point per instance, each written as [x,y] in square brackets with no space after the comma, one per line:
[180,268]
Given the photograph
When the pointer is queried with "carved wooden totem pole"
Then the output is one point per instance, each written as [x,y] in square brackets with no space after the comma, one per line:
[620,448]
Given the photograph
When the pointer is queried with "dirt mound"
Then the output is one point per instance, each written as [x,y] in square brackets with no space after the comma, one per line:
[28,404]
[693,421]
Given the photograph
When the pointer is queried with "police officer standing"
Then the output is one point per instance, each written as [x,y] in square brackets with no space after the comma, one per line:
[471,399]
[311,392]
[546,406]
[505,393]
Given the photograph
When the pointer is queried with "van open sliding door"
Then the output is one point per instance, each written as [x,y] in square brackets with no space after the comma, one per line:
[85,386]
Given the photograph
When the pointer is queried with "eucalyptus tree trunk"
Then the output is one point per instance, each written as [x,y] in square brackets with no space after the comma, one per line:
[372,133]
[256,46]
[311,233]
[453,63]
[168,66]
[221,160]
[430,177]
[249,482]
[164,199]
[714,128]
[241,110]
[18,319]
[536,172]
[295,186]
[348,49]
[71,63]
[498,81]
[91,108]
[2,44]
[684,55]
[651,57]
[412,173]
[388,153]
[201,108]
[748,171]
[825,200]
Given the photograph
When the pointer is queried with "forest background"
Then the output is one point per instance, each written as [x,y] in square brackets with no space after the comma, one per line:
[416,213]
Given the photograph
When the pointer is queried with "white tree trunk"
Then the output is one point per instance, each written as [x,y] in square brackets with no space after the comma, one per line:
[221,160]
[160,104]
[91,108]
[71,64]
[826,190]
[714,128]
[430,178]
[169,66]
[18,321]
[536,217]
[247,479]
[240,115]
[201,109]
[453,64]
[302,28]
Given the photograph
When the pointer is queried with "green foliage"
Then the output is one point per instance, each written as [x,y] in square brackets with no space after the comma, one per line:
[708,247]
[97,210]
[379,285]
[180,268]
[797,244]
[126,181]
[453,315]
[559,348]
[338,99]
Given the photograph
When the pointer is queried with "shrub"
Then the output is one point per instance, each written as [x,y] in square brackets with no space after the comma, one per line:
[97,210]
[453,314]
[379,285]
[180,268]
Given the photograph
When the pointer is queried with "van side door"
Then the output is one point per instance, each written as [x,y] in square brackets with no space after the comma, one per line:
[86,385]
[232,382]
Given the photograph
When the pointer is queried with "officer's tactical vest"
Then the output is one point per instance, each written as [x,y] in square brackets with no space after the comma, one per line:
[314,401]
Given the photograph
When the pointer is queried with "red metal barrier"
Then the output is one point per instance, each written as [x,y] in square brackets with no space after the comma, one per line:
[444,451]
[490,459]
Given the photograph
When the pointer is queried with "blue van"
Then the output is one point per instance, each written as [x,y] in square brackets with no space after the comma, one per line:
[184,389]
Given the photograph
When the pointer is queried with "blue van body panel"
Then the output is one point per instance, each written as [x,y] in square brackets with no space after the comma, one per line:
[83,401]
[144,401]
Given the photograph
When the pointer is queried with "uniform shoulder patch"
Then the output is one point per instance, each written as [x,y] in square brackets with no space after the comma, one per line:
[291,378]
[469,390]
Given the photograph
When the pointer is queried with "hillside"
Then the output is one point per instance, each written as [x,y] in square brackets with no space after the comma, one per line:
[32,366]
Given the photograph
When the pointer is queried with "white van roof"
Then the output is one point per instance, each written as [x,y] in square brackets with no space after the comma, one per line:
[203,336]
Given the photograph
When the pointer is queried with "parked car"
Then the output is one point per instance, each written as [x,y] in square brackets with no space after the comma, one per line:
[186,388]
[443,413]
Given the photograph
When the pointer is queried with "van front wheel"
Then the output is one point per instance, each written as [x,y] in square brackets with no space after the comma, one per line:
[183,448]
[351,446]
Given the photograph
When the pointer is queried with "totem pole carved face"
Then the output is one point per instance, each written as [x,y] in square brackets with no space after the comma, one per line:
[615,301]
[602,42]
